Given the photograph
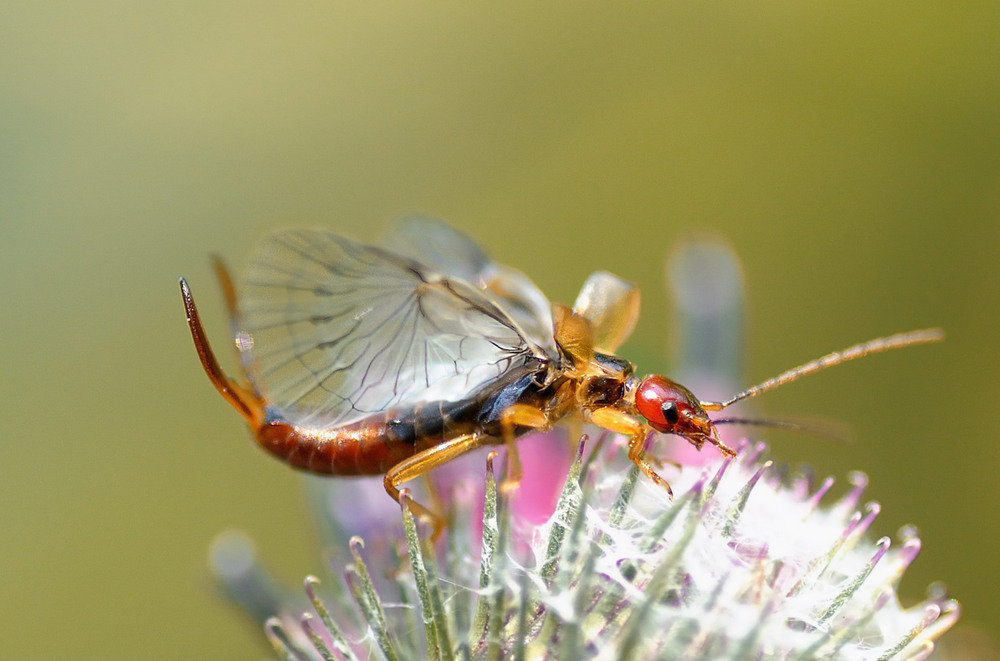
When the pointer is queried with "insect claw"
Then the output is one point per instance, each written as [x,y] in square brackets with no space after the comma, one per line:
[509,485]
[662,483]
[647,469]
[435,521]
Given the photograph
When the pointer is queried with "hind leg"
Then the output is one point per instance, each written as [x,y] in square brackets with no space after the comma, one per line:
[422,462]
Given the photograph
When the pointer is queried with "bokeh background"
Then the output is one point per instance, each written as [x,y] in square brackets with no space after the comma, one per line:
[849,151]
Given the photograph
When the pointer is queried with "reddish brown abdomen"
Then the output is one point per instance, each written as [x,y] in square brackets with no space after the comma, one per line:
[362,448]
[373,445]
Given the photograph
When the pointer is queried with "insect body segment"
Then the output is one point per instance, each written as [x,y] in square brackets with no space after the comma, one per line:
[396,358]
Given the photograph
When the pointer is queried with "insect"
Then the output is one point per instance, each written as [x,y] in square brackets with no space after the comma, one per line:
[392,359]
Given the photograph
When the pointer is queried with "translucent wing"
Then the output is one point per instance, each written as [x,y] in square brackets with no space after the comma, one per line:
[611,305]
[341,330]
[441,247]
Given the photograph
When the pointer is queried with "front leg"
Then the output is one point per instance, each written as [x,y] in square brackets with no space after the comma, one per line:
[620,422]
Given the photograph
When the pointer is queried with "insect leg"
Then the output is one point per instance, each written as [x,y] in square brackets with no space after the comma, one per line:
[248,405]
[622,423]
[574,426]
[422,462]
[518,415]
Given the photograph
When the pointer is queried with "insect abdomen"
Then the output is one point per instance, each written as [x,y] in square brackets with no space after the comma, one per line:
[373,445]
[370,446]
[359,449]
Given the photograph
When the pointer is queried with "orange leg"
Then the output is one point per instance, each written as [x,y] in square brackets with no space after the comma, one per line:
[622,423]
[518,415]
[422,462]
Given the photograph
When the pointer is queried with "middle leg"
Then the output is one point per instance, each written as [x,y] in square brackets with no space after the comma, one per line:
[518,415]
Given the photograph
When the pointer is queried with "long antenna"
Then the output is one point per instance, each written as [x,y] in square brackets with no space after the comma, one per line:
[826,429]
[857,351]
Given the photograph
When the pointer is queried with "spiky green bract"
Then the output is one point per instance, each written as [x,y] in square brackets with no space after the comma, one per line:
[743,563]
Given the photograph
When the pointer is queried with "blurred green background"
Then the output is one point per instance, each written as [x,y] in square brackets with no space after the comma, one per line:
[850,151]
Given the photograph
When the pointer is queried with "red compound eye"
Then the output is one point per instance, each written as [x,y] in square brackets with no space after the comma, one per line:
[661,402]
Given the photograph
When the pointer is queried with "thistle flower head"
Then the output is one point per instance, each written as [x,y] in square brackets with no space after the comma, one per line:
[746,562]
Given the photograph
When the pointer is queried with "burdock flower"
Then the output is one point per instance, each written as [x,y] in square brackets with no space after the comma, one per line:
[747,561]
